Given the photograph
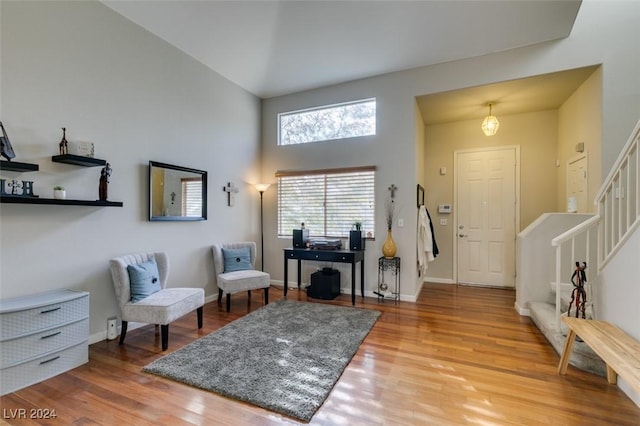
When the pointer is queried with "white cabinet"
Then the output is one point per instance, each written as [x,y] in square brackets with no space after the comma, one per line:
[41,336]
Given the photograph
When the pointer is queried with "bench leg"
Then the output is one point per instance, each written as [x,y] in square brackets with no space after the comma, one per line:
[199,311]
[266,295]
[566,352]
[612,376]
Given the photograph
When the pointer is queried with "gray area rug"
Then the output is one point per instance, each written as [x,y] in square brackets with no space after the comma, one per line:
[284,357]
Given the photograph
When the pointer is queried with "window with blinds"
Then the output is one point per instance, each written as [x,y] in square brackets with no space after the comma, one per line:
[191,196]
[328,202]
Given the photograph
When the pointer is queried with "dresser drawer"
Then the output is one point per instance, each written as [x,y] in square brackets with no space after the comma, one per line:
[17,350]
[37,370]
[14,324]
[321,255]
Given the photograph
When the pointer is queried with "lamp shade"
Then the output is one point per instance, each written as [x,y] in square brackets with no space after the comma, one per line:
[490,124]
[261,187]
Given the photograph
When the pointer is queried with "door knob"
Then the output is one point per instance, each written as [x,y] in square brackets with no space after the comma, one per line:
[462,235]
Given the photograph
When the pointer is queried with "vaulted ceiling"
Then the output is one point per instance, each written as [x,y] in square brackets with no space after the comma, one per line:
[272,48]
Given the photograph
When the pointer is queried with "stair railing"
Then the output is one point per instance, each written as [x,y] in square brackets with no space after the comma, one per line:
[619,201]
[581,243]
[618,216]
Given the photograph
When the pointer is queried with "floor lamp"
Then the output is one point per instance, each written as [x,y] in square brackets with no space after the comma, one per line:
[261,187]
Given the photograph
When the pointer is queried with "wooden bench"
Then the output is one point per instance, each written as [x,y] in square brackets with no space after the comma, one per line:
[619,351]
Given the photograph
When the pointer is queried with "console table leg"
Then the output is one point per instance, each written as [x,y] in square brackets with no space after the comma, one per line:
[362,277]
[286,275]
[353,283]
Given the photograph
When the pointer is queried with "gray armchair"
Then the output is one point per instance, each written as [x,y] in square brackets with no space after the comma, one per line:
[244,278]
[163,306]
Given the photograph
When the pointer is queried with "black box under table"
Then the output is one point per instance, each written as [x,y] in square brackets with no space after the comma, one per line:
[325,284]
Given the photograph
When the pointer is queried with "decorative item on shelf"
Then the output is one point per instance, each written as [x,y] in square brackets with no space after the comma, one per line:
[83,149]
[6,150]
[63,146]
[230,189]
[25,188]
[490,124]
[389,246]
[103,187]
[59,192]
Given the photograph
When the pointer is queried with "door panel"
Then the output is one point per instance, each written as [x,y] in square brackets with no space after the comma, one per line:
[486,202]
[577,183]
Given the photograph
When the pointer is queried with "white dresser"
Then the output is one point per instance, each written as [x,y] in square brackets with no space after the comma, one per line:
[41,336]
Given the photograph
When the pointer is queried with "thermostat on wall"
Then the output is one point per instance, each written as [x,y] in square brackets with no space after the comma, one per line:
[444,208]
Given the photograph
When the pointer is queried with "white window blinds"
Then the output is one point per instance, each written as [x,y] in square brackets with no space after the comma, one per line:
[191,196]
[329,202]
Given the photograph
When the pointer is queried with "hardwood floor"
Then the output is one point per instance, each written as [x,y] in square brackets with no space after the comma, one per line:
[461,355]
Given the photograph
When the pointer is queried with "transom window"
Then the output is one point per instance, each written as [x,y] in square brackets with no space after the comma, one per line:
[338,121]
[328,202]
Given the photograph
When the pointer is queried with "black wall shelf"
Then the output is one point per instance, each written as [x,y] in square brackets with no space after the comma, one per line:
[36,200]
[78,160]
[15,166]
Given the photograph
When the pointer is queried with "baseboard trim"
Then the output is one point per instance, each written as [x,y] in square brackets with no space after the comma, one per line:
[439,280]
[522,311]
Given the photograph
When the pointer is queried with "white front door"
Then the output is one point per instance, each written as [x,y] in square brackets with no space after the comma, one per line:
[486,216]
[577,184]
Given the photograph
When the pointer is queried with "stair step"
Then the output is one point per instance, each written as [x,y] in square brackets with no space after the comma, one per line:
[544,317]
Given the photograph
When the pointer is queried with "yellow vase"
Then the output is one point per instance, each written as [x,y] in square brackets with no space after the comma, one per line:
[389,246]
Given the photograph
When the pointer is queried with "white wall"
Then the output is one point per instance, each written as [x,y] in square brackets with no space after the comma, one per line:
[604,33]
[81,66]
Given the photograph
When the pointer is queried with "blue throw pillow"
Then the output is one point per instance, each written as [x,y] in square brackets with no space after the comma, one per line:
[144,278]
[237,259]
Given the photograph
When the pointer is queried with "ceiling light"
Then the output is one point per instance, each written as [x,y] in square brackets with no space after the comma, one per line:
[490,125]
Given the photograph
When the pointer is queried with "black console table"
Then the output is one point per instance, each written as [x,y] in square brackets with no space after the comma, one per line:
[342,256]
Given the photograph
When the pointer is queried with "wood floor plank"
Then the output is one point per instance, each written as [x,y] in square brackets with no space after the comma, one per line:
[458,356]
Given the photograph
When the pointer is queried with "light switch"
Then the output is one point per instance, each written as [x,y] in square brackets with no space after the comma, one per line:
[444,222]
[400,223]
[443,171]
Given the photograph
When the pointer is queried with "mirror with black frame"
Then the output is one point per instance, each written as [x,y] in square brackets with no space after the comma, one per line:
[176,193]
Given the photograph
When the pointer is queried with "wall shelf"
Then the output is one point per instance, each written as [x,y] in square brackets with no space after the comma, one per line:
[37,200]
[15,166]
[78,160]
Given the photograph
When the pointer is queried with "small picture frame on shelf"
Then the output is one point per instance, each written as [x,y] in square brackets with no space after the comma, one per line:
[83,149]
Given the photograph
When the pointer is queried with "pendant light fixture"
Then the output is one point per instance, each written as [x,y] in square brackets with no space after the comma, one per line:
[490,124]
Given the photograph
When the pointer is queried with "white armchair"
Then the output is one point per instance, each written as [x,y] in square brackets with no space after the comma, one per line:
[235,279]
[163,306]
